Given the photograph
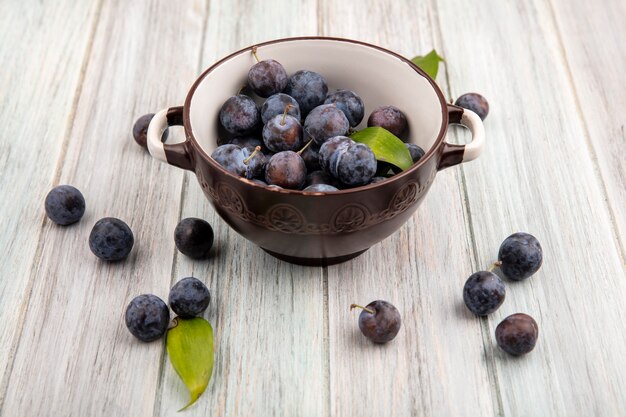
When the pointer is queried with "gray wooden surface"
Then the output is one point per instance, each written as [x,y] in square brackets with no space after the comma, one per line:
[74,77]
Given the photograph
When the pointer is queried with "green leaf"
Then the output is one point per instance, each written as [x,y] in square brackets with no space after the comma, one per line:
[190,348]
[429,63]
[385,145]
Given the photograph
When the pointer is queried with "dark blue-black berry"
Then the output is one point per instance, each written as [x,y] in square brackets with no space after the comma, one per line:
[389,118]
[240,115]
[277,104]
[286,169]
[308,88]
[189,297]
[520,256]
[379,321]
[415,151]
[324,122]
[147,317]
[517,334]
[194,237]
[474,102]
[483,293]
[140,130]
[65,205]
[267,77]
[111,239]
[349,103]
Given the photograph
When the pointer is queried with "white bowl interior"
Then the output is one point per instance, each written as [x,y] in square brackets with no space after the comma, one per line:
[378,77]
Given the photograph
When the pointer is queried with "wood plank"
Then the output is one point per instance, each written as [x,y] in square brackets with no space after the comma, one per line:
[44,45]
[537,175]
[437,365]
[75,356]
[593,44]
[268,316]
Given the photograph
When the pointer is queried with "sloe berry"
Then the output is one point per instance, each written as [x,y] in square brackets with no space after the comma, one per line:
[379,321]
[349,103]
[65,205]
[189,297]
[147,317]
[277,104]
[517,334]
[267,77]
[286,169]
[474,102]
[483,293]
[325,122]
[194,237]
[520,256]
[240,115]
[390,118]
[308,88]
[111,239]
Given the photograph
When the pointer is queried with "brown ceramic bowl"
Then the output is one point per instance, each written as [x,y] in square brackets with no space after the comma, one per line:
[318,228]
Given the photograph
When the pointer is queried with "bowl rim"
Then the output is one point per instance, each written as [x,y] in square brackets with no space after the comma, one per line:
[397,177]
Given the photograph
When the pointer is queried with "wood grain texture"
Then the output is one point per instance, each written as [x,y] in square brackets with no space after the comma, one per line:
[77,75]
[75,356]
[593,42]
[268,315]
[538,176]
[438,364]
[42,58]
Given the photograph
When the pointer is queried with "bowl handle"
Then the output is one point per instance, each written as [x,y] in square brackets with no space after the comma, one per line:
[455,154]
[177,154]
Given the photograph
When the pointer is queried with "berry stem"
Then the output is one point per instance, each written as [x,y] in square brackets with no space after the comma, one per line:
[362,308]
[255,55]
[257,149]
[494,265]
[287,107]
[304,148]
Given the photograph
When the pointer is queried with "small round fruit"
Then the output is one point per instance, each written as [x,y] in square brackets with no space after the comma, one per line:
[483,293]
[65,205]
[349,103]
[240,115]
[240,161]
[517,334]
[379,321]
[390,118]
[140,130]
[267,77]
[520,256]
[111,239]
[277,104]
[194,237]
[147,317]
[327,150]
[286,169]
[189,297]
[415,151]
[355,164]
[250,142]
[320,188]
[282,133]
[474,102]
[308,88]
[324,122]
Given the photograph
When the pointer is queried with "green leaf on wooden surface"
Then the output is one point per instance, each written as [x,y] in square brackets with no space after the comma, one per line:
[190,348]
[385,145]
[429,63]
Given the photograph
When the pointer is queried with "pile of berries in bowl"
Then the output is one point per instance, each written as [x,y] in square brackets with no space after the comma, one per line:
[298,138]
